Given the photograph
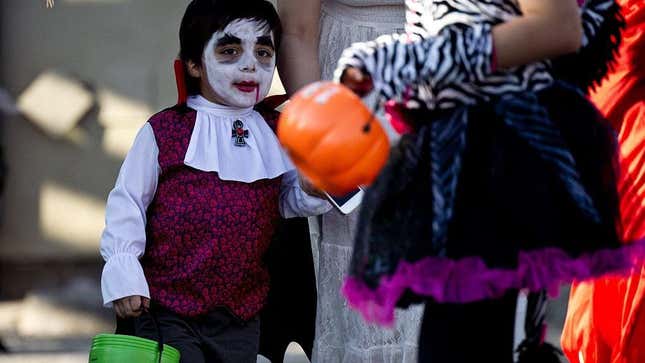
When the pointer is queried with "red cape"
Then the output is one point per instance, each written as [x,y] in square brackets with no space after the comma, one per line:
[606,317]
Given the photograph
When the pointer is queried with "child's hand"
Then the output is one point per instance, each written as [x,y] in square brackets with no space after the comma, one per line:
[357,81]
[131,306]
[309,188]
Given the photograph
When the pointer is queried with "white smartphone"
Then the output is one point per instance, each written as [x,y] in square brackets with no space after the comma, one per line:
[348,202]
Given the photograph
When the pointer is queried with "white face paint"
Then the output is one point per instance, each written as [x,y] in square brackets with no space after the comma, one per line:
[240,61]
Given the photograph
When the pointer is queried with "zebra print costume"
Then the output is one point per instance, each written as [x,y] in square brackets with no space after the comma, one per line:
[442,72]
[446,57]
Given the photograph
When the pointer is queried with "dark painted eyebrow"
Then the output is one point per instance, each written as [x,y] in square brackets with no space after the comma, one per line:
[266,41]
[228,39]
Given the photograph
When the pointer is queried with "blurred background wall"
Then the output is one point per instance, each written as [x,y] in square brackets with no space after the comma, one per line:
[115,53]
[84,77]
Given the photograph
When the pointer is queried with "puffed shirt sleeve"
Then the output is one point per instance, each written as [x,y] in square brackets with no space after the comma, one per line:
[123,240]
[294,202]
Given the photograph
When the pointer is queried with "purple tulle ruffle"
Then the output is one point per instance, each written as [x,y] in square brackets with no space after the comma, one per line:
[469,279]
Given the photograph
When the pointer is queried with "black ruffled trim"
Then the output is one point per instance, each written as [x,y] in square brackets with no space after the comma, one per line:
[591,64]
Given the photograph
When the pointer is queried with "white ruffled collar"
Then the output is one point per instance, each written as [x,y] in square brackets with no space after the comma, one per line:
[212,146]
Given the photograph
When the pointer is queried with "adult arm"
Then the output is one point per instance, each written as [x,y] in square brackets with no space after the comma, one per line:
[547,29]
[298,56]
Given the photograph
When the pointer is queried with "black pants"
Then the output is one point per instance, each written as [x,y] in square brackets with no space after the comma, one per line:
[468,333]
[217,337]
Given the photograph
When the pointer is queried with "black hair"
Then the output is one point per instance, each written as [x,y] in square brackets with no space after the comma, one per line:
[205,17]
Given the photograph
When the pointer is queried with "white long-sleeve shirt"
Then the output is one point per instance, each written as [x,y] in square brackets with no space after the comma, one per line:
[124,237]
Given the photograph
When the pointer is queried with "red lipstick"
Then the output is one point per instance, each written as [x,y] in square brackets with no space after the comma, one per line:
[246,87]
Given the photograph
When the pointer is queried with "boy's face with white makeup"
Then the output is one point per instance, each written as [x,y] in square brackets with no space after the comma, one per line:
[239,62]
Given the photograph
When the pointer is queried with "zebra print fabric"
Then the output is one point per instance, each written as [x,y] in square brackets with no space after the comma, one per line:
[444,71]
[445,59]
[430,16]
[593,15]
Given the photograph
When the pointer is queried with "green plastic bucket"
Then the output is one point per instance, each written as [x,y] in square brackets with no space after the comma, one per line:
[116,348]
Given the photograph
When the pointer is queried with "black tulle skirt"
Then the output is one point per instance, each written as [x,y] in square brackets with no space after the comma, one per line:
[518,193]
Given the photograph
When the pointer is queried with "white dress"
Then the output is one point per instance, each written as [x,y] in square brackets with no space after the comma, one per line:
[342,336]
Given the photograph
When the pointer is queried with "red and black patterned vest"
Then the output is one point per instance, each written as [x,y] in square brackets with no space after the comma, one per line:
[206,237]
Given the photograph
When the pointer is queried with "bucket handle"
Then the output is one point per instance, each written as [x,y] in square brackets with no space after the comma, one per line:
[368,124]
[155,321]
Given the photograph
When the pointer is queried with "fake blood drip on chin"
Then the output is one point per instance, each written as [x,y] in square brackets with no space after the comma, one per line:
[257,94]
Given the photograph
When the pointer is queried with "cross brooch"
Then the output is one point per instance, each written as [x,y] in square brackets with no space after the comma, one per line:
[239,134]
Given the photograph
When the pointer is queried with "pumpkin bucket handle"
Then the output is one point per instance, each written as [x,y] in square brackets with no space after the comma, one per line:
[368,124]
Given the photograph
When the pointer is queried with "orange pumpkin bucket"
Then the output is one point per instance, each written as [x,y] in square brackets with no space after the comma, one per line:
[333,138]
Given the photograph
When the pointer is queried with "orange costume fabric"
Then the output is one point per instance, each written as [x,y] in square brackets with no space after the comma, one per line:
[606,317]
